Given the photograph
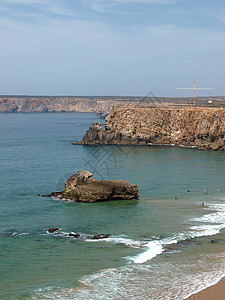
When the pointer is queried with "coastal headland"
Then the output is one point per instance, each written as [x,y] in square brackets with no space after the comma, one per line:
[202,128]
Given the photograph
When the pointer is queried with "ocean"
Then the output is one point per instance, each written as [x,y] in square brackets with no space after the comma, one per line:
[166,245]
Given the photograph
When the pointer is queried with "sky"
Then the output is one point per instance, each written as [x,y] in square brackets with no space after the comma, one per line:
[112,47]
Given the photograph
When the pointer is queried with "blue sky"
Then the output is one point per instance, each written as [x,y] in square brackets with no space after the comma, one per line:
[111,47]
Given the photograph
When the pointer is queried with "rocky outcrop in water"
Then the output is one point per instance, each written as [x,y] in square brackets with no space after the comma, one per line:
[203,128]
[51,230]
[59,232]
[82,187]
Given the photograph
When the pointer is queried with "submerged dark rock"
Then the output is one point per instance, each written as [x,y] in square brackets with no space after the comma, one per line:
[82,187]
[75,235]
[100,236]
[51,230]
[78,235]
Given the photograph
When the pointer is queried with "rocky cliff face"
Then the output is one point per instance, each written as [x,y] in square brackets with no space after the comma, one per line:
[47,104]
[100,105]
[203,128]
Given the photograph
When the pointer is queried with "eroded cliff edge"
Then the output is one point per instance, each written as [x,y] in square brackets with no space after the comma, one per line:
[203,128]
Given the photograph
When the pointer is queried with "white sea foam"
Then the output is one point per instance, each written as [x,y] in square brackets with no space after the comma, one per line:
[57,233]
[188,147]
[14,233]
[140,282]
[124,241]
[60,198]
[212,224]
[24,233]
[135,279]
[172,145]
[153,249]
[206,230]
[217,217]
[19,233]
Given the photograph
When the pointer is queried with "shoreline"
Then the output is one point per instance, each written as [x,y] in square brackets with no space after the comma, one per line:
[215,291]
[191,147]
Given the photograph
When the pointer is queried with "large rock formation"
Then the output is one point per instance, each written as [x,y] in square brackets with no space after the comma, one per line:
[82,187]
[203,128]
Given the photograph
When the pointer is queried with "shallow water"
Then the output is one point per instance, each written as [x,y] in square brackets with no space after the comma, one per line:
[159,248]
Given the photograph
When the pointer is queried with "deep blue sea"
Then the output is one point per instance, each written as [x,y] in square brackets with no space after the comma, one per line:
[165,245]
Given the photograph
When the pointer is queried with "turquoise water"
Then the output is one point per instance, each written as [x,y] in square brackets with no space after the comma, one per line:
[154,240]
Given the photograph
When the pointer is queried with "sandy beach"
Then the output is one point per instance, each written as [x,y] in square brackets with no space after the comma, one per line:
[214,292]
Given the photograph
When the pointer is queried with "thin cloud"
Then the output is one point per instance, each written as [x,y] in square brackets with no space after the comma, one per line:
[19,2]
[59,7]
[103,8]
[146,1]
[54,7]
[109,5]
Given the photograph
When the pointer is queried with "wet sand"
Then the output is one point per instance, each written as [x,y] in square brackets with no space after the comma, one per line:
[214,292]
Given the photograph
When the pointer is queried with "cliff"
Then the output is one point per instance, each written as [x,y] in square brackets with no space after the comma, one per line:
[47,104]
[203,128]
[99,105]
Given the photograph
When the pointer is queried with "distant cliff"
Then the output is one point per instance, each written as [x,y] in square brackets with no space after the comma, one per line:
[99,105]
[48,104]
[203,128]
